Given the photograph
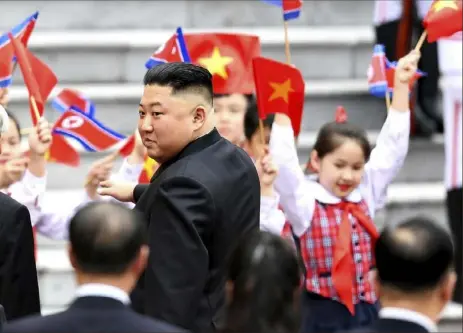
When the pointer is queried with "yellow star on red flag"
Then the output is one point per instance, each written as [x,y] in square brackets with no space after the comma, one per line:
[281,90]
[216,63]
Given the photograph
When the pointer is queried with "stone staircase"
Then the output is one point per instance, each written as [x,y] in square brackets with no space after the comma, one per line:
[100,47]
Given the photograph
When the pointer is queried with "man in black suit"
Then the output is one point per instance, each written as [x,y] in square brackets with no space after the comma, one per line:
[108,252]
[204,197]
[415,276]
[19,288]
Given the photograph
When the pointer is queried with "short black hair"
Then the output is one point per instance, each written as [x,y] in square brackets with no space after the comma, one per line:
[414,256]
[106,237]
[181,76]
[251,120]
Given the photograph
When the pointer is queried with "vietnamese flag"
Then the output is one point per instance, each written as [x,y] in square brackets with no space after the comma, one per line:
[443,19]
[62,152]
[228,57]
[38,77]
[149,168]
[280,88]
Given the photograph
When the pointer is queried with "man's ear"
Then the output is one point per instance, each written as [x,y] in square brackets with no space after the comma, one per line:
[199,116]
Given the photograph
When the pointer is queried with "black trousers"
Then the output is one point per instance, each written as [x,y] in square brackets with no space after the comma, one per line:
[455,217]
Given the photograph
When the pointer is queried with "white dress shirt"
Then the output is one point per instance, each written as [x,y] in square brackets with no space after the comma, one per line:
[103,290]
[408,315]
[391,10]
[298,195]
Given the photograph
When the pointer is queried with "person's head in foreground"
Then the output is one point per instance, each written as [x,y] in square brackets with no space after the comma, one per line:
[339,157]
[108,245]
[262,287]
[175,109]
[253,143]
[415,267]
[10,143]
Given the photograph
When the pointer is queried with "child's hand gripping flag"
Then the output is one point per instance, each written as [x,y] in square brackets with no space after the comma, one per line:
[280,88]
[90,133]
[173,50]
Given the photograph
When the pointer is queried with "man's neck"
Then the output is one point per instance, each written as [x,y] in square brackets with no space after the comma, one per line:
[426,308]
[121,282]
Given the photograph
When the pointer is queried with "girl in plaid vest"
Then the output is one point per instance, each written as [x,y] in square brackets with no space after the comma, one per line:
[332,214]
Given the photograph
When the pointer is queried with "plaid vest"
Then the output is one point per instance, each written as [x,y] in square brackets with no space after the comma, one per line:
[317,246]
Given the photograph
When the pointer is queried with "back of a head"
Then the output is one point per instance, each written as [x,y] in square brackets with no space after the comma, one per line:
[413,257]
[106,238]
[265,274]
[181,77]
[251,120]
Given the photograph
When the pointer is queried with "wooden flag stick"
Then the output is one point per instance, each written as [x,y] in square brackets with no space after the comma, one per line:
[261,131]
[34,107]
[287,49]
[421,40]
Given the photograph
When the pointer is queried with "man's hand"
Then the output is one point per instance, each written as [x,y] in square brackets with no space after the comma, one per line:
[99,171]
[40,138]
[406,68]
[121,191]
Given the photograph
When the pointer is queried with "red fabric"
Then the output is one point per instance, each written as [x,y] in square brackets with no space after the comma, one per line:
[328,250]
[443,19]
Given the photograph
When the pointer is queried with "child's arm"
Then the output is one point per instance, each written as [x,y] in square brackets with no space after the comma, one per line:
[272,218]
[295,199]
[392,145]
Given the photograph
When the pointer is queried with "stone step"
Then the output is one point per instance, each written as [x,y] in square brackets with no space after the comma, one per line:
[117,104]
[165,14]
[324,52]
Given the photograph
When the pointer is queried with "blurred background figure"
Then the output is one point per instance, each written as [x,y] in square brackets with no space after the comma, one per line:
[415,276]
[398,27]
[263,286]
[108,252]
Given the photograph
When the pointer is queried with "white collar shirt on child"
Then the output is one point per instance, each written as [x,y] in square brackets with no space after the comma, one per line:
[299,195]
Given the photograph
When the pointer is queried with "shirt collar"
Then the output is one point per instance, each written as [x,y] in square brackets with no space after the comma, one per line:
[322,195]
[408,315]
[102,290]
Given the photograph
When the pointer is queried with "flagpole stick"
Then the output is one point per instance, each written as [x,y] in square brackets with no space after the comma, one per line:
[287,50]
[34,107]
[388,100]
[421,40]
[261,131]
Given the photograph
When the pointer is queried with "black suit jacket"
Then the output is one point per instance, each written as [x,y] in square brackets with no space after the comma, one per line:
[198,205]
[19,290]
[389,325]
[91,314]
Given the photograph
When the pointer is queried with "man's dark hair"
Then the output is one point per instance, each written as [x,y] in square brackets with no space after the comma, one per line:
[181,77]
[251,120]
[106,237]
[414,256]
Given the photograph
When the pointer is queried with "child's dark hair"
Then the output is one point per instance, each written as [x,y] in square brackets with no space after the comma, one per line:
[14,119]
[251,120]
[332,135]
[265,275]
[249,97]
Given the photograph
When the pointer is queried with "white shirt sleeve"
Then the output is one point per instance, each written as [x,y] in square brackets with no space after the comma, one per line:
[272,219]
[53,221]
[296,200]
[30,191]
[386,159]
